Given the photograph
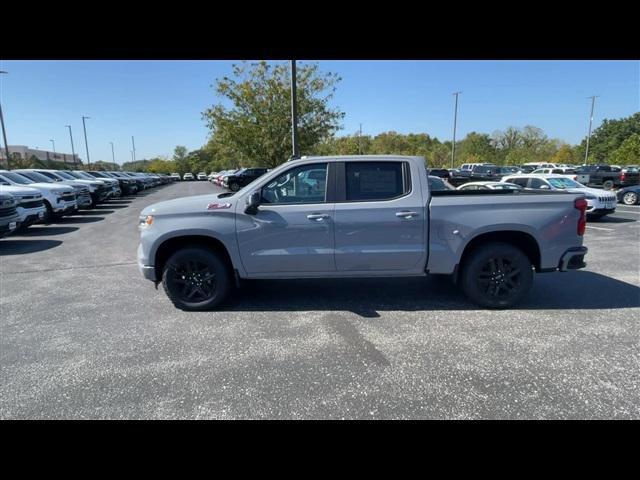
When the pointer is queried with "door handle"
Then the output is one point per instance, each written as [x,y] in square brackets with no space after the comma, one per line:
[318,217]
[406,214]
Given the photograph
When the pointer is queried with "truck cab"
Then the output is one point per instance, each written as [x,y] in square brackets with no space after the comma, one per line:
[358,216]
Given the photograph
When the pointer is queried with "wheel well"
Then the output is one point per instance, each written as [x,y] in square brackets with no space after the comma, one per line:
[168,247]
[521,240]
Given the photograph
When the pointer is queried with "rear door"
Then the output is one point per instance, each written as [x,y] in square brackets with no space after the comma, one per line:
[379,217]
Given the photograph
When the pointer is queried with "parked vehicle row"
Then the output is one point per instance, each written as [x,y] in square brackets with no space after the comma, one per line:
[34,195]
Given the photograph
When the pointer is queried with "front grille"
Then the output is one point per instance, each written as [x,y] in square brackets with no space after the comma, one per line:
[31,203]
[68,197]
[607,199]
[7,212]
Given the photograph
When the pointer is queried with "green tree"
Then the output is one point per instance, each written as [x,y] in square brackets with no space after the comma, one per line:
[628,153]
[257,127]
[608,137]
[565,155]
[475,148]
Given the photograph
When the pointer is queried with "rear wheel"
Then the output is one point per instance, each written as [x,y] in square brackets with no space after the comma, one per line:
[196,278]
[630,198]
[496,275]
[607,184]
[234,187]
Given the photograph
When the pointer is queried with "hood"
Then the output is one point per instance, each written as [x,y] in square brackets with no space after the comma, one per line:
[21,191]
[52,187]
[592,191]
[198,203]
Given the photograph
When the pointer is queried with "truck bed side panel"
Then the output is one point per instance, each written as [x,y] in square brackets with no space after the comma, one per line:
[454,221]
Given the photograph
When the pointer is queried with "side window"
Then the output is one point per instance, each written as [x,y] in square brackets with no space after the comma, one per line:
[304,184]
[537,183]
[470,187]
[520,181]
[376,180]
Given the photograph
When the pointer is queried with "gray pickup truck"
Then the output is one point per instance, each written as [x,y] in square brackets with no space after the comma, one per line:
[359,216]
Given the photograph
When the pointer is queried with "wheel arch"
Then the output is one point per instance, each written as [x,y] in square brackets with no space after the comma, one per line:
[173,244]
[519,239]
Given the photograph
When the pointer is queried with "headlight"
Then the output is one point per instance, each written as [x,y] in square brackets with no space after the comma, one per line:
[145,221]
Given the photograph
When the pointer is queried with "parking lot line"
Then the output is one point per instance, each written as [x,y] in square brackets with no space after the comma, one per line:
[628,211]
[601,228]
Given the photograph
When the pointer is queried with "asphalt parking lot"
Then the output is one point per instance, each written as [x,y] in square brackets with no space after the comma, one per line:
[83,335]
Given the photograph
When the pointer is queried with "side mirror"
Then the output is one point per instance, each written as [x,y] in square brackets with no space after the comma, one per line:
[253,202]
[544,187]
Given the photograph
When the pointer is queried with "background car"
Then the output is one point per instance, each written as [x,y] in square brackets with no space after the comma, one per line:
[629,195]
[202,176]
[188,176]
[489,186]
[438,184]
[242,178]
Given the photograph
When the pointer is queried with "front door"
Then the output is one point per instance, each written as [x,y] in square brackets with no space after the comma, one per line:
[292,231]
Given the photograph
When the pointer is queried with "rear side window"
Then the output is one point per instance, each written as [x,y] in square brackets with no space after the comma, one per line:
[520,181]
[537,183]
[376,180]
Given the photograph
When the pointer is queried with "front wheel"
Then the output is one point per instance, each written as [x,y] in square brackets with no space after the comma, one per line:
[234,187]
[496,275]
[196,278]
[630,198]
[607,184]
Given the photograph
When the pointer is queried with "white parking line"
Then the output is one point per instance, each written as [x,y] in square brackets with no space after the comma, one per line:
[628,211]
[600,228]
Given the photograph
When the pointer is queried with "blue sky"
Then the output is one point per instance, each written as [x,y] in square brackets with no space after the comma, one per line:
[160,102]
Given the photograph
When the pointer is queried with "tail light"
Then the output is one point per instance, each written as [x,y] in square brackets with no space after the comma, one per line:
[581,204]
[622,177]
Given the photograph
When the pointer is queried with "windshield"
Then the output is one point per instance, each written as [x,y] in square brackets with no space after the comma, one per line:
[16,178]
[84,176]
[65,175]
[37,177]
[563,183]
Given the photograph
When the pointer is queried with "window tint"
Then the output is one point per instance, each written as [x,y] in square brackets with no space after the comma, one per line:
[520,181]
[304,184]
[375,180]
[537,183]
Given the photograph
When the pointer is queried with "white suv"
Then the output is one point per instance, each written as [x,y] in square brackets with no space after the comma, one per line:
[599,202]
[58,199]
[30,206]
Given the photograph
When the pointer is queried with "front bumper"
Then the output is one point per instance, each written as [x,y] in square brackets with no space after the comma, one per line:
[83,200]
[8,223]
[147,271]
[65,208]
[573,259]
[601,211]
[29,216]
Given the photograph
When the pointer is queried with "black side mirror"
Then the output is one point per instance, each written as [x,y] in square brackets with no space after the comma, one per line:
[253,202]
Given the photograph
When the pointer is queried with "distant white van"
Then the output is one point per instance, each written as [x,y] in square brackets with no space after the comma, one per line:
[467,167]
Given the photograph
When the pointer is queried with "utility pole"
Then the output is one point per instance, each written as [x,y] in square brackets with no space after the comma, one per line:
[85,143]
[134,148]
[73,151]
[455,121]
[294,113]
[586,153]
[54,148]
[113,155]
[4,133]
[360,141]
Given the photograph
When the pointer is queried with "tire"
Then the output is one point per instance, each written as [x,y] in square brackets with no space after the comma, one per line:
[234,187]
[210,284]
[630,198]
[506,287]
[48,216]
[607,184]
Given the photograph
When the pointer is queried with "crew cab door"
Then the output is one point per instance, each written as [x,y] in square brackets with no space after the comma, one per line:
[379,217]
[292,230]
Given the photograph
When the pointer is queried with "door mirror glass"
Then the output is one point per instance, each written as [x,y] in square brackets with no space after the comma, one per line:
[253,202]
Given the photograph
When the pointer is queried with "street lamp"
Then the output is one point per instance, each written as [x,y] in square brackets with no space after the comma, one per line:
[294,112]
[455,121]
[113,155]
[586,153]
[73,151]
[54,148]
[133,143]
[4,132]
[85,142]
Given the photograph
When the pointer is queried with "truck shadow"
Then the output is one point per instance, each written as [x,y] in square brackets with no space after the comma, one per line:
[45,231]
[609,219]
[578,290]
[81,219]
[18,247]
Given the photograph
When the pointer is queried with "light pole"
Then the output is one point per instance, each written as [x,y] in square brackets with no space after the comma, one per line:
[113,155]
[4,132]
[294,112]
[54,148]
[85,142]
[133,143]
[360,140]
[593,102]
[455,121]
[73,150]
